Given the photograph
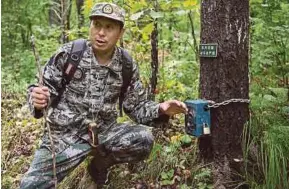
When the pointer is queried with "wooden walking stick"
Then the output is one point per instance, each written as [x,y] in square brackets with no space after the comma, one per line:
[46,123]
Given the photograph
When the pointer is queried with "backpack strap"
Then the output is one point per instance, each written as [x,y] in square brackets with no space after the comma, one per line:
[74,57]
[127,65]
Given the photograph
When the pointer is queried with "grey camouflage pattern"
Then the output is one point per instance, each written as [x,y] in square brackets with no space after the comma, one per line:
[91,96]
[125,143]
[108,10]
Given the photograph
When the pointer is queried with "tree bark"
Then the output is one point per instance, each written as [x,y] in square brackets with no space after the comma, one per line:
[171,22]
[59,15]
[154,56]
[54,13]
[65,19]
[225,22]
[155,61]
[68,5]
[79,7]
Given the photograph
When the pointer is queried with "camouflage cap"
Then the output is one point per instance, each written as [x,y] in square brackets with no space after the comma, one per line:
[108,10]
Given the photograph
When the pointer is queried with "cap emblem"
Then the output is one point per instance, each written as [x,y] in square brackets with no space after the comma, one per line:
[107,9]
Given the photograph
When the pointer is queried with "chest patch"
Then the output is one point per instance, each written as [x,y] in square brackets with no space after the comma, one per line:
[78,75]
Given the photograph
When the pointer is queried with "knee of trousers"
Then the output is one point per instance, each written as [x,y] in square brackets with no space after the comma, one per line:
[133,144]
[149,139]
[147,142]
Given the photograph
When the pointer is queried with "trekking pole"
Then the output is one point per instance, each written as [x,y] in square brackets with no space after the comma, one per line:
[40,82]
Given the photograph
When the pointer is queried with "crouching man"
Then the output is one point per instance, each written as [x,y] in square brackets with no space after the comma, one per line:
[82,112]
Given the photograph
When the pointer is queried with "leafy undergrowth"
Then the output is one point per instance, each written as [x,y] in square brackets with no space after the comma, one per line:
[20,137]
[172,163]
[267,150]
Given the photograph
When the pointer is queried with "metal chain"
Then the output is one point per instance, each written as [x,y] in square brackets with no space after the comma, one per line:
[216,105]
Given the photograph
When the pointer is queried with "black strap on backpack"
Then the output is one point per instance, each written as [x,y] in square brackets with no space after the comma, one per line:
[74,57]
[126,61]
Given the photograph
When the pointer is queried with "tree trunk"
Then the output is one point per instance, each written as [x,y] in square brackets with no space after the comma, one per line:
[225,22]
[196,49]
[68,5]
[54,12]
[171,22]
[155,61]
[79,7]
[154,56]
[65,19]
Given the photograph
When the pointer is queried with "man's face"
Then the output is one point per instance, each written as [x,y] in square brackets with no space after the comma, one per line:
[104,34]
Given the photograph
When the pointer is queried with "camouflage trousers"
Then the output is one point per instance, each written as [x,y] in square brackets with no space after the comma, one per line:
[125,143]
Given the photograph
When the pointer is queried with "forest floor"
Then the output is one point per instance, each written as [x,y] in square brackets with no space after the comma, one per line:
[172,164]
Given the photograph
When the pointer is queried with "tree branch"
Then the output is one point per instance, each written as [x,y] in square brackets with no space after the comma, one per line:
[37,62]
[194,36]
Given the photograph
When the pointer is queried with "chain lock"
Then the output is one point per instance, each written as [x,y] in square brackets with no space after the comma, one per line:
[226,102]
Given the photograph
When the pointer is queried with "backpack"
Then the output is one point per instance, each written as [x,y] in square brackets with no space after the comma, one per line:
[74,57]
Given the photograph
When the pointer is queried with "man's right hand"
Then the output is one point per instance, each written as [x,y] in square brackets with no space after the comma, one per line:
[40,96]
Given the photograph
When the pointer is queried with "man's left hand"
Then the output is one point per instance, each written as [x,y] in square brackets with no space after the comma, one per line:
[172,107]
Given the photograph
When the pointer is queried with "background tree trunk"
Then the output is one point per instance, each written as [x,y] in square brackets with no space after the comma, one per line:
[79,7]
[155,62]
[154,56]
[68,5]
[54,13]
[59,15]
[196,49]
[225,22]
[65,19]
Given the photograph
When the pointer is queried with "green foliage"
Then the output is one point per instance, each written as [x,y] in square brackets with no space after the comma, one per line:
[180,84]
[18,18]
[266,137]
[19,66]
[203,179]
[186,139]
[167,177]
[267,132]
[175,164]
[270,47]
[20,137]
[18,69]
[19,22]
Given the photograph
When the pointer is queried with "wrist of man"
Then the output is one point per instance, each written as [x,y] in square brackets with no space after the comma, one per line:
[163,117]
[161,110]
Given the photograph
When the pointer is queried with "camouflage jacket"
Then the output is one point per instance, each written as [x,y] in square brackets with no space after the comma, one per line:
[91,96]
